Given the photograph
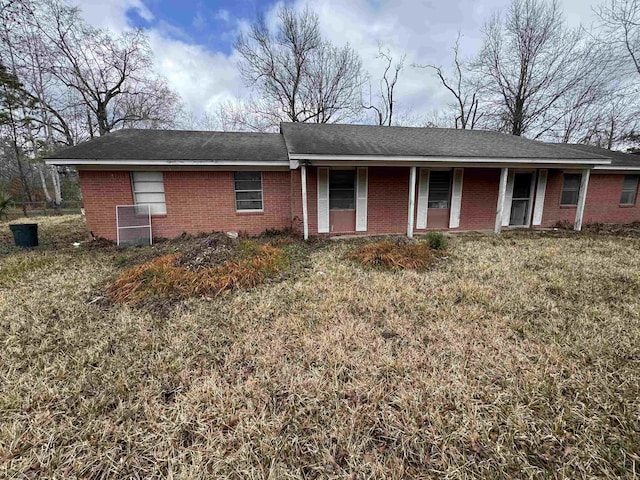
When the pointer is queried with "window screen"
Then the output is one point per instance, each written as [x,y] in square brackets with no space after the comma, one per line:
[439,189]
[148,189]
[248,188]
[629,190]
[570,189]
[342,189]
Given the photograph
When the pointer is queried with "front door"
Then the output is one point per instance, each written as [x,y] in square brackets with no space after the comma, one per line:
[521,200]
[342,201]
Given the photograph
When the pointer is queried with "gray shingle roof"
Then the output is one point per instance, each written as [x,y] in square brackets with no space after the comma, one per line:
[336,139]
[618,159]
[146,145]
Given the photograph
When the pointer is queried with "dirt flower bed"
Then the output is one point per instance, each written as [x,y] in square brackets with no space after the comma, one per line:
[619,230]
[207,273]
[400,253]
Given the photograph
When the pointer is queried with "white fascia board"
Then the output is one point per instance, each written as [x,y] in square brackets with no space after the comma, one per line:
[616,169]
[165,163]
[397,160]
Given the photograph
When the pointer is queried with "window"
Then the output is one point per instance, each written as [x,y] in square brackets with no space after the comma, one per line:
[570,189]
[629,190]
[342,189]
[439,189]
[148,189]
[248,188]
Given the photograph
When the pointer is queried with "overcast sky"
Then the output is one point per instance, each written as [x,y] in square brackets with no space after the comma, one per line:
[192,40]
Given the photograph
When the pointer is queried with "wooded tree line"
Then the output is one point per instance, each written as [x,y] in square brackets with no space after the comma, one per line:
[63,81]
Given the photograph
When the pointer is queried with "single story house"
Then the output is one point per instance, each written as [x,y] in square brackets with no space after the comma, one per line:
[349,179]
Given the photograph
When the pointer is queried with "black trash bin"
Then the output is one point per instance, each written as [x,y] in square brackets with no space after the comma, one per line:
[25,234]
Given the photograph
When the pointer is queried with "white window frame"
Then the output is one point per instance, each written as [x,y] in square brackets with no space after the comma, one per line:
[135,193]
[235,194]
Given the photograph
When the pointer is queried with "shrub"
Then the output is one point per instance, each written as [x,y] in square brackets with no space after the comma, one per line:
[437,240]
[417,256]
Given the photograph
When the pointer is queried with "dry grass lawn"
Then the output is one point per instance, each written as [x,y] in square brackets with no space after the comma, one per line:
[517,357]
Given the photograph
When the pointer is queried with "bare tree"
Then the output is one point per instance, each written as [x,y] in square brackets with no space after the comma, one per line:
[111,76]
[229,116]
[299,77]
[620,29]
[531,60]
[84,81]
[465,89]
[385,101]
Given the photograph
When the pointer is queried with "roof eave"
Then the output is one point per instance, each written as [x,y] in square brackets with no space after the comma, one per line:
[617,168]
[314,159]
[165,163]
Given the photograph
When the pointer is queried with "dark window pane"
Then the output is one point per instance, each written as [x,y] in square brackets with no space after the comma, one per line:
[569,198]
[628,198]
[572,181]
[629,189]
[439,189]
[570,189]
[342,178]
[521,185]
[248,176]
[630,182]
[248,196]
[248,185]
[342,191]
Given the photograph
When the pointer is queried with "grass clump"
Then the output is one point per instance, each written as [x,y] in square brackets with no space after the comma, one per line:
[395,255]
[165,276]
[436,240]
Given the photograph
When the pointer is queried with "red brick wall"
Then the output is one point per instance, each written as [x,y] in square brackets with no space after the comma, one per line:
[603,201]
[553,212]
[101,192]
[479,198]
[202,201]
[602,205]
[388,202]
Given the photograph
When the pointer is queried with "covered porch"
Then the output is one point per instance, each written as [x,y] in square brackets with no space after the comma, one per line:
[340,199]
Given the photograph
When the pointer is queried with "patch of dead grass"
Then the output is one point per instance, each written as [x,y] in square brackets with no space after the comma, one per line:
[517,358]
[165,278]
[398,254]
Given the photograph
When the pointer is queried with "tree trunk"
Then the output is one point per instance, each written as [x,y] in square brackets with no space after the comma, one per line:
[43,180]
[55,177]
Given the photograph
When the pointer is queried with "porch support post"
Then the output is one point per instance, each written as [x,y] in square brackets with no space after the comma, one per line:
[502,193]
[412,201]
[582,197]
[305,215]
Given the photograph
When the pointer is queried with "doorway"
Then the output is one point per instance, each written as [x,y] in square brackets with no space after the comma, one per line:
[342,201]
[521,200]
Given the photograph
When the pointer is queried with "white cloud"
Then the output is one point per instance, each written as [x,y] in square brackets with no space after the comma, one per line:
[222,15]
[202,78]
[424,31]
